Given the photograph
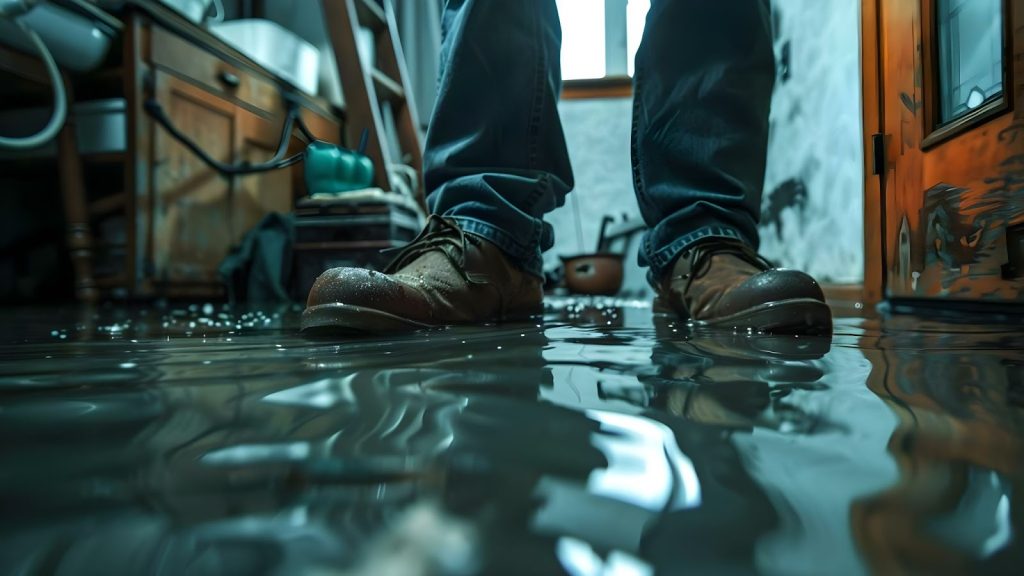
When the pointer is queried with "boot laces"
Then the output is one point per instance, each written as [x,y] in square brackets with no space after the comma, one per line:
[440,234]
[701,255]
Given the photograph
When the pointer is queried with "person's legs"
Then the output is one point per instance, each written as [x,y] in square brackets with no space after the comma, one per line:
[703,86]
[704,77]
[495,163]
[495,157]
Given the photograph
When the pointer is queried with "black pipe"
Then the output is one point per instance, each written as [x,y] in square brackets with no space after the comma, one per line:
[277,162]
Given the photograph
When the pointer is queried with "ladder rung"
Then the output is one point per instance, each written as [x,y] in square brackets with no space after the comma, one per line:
[108,204]
[371,14]
[387,89]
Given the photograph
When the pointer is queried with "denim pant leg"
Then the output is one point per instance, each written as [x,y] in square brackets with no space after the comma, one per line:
[703,84]
[495,156]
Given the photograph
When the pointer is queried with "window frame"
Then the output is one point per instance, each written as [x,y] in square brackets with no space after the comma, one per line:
[935,132]
[598,88]
[609,86]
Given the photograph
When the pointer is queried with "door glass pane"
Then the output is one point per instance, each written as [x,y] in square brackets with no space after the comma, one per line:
[970,55]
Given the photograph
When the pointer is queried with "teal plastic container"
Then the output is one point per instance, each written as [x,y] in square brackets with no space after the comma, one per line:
[330,169]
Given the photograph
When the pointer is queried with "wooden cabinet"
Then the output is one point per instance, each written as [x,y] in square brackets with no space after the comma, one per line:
[183,217]
[192,205]
[206,69]
[942,94]
[150,218]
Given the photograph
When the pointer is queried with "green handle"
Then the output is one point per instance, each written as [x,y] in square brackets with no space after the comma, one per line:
[331,169]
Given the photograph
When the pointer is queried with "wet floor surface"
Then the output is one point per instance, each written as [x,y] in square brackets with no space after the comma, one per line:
[601,442]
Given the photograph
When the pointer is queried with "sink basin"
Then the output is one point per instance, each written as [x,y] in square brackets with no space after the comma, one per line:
[76,42]
[276,48]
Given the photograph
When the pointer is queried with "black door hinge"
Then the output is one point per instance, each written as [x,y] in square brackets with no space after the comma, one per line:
[877,154]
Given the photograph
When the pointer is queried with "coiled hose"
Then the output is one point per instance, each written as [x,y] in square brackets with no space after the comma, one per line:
[60,100]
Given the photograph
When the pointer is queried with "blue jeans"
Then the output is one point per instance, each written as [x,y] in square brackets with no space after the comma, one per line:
[496,159]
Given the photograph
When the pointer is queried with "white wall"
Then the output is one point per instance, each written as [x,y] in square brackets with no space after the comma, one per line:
[816,140]
[597,135]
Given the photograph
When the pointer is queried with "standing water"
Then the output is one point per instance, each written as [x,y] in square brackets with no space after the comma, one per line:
[602,442]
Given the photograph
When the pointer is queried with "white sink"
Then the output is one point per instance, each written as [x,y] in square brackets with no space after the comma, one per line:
[76,42]
[275,47]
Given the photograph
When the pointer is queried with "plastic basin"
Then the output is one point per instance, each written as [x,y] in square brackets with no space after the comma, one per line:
[276,48]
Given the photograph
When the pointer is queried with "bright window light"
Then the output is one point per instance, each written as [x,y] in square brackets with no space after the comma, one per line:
[636,18]
[583,38]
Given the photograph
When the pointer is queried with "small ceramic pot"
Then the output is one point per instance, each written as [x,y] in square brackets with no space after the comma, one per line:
[594,274]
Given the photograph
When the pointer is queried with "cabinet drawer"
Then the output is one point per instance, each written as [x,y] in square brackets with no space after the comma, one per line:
[177,55]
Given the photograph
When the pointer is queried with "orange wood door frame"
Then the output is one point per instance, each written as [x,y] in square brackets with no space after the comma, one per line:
[874,180]
[946,197]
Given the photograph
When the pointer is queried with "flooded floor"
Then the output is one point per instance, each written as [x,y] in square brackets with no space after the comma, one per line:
[603,442]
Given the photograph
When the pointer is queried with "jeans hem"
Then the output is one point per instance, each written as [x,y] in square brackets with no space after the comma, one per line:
[662,259]
[526,257]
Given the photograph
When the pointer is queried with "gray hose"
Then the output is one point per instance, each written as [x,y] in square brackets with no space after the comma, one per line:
[60,104]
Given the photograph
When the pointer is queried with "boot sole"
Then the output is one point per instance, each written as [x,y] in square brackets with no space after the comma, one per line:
[337,318]
[795,316]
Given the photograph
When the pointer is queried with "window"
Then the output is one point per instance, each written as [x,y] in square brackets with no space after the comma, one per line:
[970,34]
[600,37]
[965,45]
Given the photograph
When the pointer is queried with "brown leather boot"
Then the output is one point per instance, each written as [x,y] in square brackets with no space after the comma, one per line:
[726,284]
[444,277]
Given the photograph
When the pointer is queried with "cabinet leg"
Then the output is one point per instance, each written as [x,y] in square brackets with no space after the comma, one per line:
[76,214]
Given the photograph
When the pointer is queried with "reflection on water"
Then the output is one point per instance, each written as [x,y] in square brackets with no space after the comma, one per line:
[207,441]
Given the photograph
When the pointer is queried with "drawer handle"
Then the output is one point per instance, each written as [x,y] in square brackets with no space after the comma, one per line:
[230,80]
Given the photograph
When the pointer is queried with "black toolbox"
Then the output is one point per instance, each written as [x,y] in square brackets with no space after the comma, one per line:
[349,230]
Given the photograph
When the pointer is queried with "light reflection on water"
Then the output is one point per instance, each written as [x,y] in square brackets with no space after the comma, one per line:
[205,440]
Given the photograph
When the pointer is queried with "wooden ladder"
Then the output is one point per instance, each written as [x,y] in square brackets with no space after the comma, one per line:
[370,89]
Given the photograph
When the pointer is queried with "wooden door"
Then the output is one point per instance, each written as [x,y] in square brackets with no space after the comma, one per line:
[952,149]
[191,203]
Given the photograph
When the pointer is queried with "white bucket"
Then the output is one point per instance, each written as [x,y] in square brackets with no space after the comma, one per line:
[276,48]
